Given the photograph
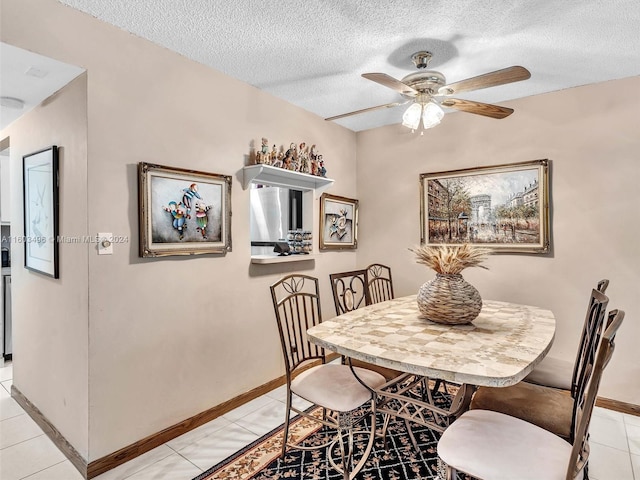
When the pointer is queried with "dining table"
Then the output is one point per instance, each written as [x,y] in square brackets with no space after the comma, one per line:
[498,348]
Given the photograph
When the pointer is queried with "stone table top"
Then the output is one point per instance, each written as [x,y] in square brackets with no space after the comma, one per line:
[500,347]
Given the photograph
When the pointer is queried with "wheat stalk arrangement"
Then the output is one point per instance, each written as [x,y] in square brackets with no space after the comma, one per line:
[451,259]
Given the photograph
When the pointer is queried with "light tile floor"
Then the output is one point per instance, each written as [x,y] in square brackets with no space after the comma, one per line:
[27,453]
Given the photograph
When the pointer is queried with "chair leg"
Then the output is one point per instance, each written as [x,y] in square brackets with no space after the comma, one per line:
[385,426]
[451,473]
[285,433]
[372,438]
[345,428]
[445,472]
[346,456]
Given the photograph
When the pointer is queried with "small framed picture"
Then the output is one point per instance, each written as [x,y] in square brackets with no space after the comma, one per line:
[338,222]
[40,202]
[183,212]
[504,207]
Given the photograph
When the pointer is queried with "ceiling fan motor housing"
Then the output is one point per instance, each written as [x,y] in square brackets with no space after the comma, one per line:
[424,82]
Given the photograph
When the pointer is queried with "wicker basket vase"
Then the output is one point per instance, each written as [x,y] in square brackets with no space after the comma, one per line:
[449,299]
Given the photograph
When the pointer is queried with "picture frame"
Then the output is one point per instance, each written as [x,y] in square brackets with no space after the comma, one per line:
[338,223]
[504,208]
[183,212]
[40,211]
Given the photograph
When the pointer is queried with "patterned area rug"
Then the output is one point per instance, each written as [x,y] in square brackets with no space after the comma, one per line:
[261,459]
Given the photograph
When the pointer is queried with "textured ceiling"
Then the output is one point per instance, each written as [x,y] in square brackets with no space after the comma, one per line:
[312,53]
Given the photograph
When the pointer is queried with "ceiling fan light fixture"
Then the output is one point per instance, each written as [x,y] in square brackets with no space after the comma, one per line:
[432,114]
[411,117]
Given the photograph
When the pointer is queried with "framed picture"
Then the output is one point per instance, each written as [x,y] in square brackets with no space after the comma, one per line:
[338,222]
[40,202]
[183,212]
[505,208]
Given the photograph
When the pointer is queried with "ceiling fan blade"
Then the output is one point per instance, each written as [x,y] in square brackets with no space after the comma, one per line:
[370,109]
[486,109]
[390,82]
[492,79]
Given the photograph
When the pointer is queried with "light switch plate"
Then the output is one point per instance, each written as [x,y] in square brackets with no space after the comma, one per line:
[105,244]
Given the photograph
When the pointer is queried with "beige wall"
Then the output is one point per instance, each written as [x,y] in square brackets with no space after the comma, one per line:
[50,328]
[170,338]
[591,136]
[173,337]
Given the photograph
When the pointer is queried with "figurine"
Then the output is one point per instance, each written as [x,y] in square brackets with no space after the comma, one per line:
[273,156]
[290,158]
[303,158]
[321,170]
[313,156]
[279,161]
[263,155]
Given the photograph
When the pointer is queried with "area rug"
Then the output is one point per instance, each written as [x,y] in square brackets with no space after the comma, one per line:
[400,461]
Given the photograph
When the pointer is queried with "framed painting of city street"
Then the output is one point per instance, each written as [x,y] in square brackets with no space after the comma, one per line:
[338,222]
[504,208]
[183,212]
[40,203]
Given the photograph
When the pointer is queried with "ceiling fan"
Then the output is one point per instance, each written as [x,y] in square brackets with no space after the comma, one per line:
[425,88]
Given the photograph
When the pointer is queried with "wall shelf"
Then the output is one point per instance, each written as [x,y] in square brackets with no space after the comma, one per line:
[269,259]
[279,177]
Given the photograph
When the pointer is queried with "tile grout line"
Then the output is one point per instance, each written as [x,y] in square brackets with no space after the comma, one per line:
[22,441]
[46,468]
[182,456]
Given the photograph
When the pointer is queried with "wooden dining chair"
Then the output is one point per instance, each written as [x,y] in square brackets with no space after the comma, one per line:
[296,301]
[560,373]
[547,407]
[493,446]
[380,283]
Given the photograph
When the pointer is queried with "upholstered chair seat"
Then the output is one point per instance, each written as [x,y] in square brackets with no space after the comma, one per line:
[555,372]
[547,408]
[334,387]
[387,373]
[552,372]
[493,446]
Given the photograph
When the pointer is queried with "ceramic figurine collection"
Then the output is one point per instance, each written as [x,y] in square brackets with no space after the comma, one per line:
[297,158]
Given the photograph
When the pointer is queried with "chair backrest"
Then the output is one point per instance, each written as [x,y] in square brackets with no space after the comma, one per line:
[350,290]
[594,326]
[589,330]
[296,301]
[380,283]
[580,450]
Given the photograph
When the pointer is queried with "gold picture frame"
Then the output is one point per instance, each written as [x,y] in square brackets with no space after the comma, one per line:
[338,223]
[504,207]
[183,212]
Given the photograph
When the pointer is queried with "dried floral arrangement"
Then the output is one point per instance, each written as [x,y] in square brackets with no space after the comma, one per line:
[451,259]
[297,158]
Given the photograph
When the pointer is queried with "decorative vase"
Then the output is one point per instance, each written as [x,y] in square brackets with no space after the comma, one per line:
[449,299]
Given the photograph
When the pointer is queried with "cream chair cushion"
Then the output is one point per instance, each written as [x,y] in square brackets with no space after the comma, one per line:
[334,386]
[494,446]
[545,407]
[552,372]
